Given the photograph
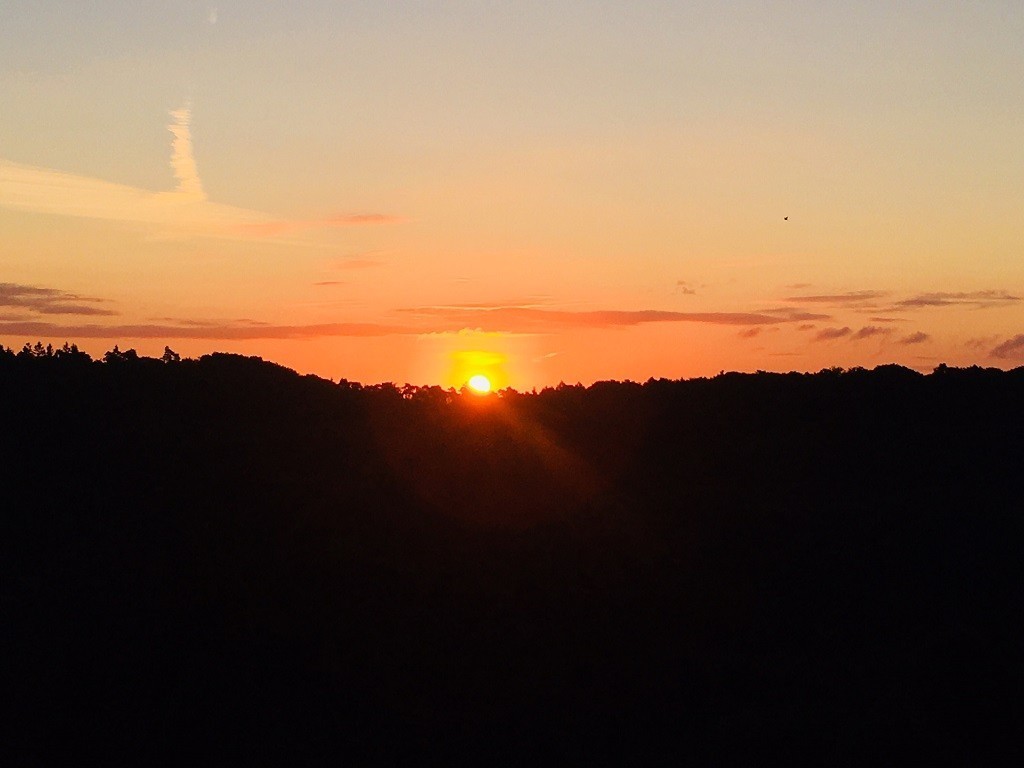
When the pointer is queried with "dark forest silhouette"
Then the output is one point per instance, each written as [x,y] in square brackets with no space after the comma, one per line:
[223,557]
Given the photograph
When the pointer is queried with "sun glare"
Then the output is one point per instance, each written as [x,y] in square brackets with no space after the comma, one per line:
[479,383]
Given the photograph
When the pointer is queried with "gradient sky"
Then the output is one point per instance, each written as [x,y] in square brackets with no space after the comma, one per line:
[544,192]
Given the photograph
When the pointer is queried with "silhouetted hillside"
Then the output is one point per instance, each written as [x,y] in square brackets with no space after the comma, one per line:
[222,558]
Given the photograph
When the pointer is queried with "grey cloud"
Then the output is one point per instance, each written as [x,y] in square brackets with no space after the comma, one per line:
[533,318]
[202,323]
[192,330]
[977,299]
[685,288]
[827,334]
[850,297]
[1010,348]
[794,315]
[49,301]
[918,337]
[870,330]
[980,342]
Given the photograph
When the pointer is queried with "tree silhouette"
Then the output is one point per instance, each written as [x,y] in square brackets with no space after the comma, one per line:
[221,554]
[116,356]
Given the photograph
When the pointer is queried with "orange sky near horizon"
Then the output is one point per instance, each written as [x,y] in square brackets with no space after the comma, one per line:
[424,191]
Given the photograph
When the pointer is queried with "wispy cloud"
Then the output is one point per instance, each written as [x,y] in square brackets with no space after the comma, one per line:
[868,299]
[918,337]
[517,318]
[185,210]
[685,288]
[49,301]
[1010,348]
[175,321]
[186,330]
[279,227]
[749,333]
[490,306]
[976,299]
[884,302]
[980,342]
[347,264]
[788,314]
[828,334]
[462,333]
[840,299]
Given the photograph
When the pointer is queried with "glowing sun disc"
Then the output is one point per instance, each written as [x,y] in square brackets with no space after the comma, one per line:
[479,384]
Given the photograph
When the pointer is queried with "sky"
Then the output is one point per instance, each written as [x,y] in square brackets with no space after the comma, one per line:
[539,192]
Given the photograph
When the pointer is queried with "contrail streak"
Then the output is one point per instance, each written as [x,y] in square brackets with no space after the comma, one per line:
[183,161]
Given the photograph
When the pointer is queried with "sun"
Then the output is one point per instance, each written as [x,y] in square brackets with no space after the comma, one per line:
[479,371]
[479,383]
